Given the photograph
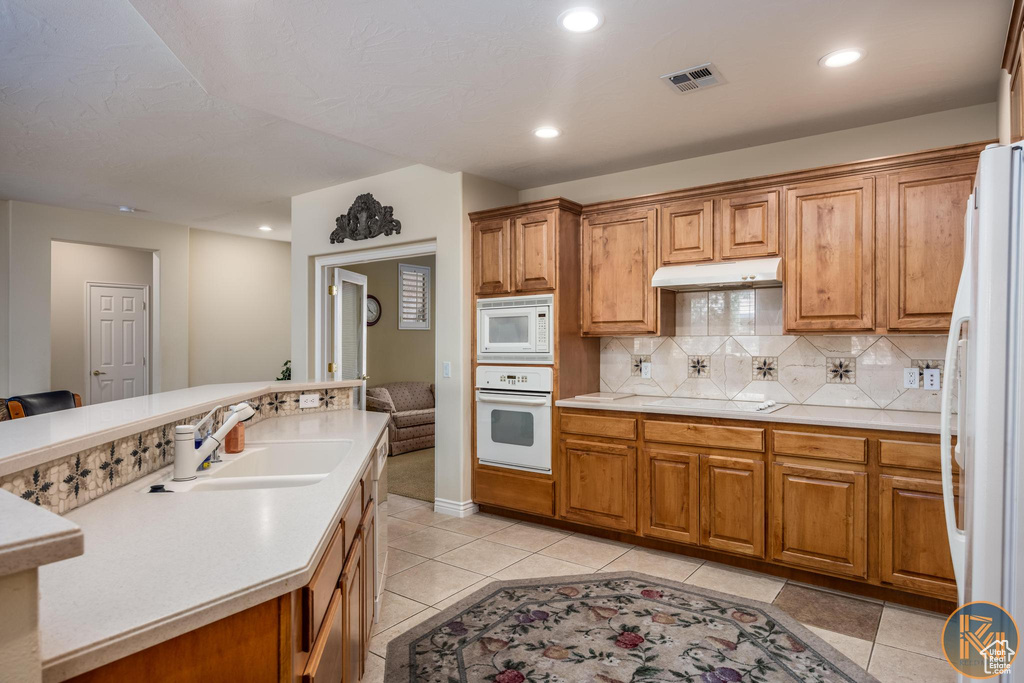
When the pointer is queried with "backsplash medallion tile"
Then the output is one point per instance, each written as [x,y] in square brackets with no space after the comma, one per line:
[725,349]
[766,368]
[840,371]
[72,481]
[636,364]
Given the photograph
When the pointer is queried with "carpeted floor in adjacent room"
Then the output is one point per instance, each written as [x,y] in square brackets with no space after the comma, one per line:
[412,474]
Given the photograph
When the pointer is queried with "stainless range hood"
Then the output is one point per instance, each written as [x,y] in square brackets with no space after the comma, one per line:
[759,272]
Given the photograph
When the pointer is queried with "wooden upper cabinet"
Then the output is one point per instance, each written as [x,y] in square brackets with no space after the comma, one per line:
[619,259]
[732,504]
[926,243]
[598,484]
[686,232]
[492,256]
[750,225]
[913,552]
[535,251]
[830,275]
[820,518]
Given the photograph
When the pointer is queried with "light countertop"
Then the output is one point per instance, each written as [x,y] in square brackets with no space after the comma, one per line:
[31,536]
[159,565]
[31,441]
[858,418]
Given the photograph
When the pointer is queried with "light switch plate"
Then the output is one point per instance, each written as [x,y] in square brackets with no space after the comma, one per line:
[911,379]
[932,380]
[446,368]
[309,400]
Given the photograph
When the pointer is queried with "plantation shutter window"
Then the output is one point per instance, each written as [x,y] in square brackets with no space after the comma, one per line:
[414,297]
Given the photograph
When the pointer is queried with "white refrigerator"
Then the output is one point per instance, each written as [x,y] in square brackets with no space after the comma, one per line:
[984,370]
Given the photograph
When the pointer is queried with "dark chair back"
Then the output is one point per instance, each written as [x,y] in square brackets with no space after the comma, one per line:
[28,405]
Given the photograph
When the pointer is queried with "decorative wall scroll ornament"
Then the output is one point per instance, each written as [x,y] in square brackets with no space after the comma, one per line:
[366,218]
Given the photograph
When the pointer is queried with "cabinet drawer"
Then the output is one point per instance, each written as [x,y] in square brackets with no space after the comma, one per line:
[824,446]
[515,492]
[366,485]
[910,454]
[350,518]
[599,425]
[317,593]
[714,436]
[326,659]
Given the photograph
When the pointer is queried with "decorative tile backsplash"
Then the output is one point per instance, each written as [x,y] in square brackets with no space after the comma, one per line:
[730,345]
[72,481]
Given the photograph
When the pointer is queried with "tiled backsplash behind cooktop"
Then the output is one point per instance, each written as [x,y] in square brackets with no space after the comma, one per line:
[730,344]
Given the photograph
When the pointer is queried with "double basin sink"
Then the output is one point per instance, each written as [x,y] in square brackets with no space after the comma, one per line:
[264,465]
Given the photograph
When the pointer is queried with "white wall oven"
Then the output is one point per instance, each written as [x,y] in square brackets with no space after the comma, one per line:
[515,329]
[513,417]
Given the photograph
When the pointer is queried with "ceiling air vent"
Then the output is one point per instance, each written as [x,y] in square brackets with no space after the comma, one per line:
[695,78]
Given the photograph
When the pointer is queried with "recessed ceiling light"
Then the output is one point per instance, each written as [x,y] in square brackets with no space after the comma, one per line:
[265,228]
[126,209]
[844,57]
[580,19]
[547,132]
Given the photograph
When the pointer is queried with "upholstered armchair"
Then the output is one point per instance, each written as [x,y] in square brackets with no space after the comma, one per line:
[411,407]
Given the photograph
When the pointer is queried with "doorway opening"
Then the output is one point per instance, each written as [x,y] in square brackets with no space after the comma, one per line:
[389,339]
[101,321]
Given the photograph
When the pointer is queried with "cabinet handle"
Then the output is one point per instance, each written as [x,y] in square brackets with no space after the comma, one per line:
[97,373]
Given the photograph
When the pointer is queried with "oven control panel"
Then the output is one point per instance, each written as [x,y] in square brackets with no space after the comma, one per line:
[514,378]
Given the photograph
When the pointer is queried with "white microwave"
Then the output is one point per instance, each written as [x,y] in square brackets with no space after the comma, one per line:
[515,329]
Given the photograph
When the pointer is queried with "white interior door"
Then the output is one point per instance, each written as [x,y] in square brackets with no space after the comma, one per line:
[118,331]
[347,343]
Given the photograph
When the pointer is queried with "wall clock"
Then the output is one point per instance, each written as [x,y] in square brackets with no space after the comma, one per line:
[372,310]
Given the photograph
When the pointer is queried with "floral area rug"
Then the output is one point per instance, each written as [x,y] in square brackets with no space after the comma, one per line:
[612,628]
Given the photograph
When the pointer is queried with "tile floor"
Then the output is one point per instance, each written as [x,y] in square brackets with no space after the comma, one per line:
[435,560]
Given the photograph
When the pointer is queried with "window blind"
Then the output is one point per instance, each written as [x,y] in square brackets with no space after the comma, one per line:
[414,295]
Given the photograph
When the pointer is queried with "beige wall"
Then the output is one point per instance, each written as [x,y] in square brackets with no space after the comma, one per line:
[956,126]
[394,355]
[72,265]
[238,318]
[32,228]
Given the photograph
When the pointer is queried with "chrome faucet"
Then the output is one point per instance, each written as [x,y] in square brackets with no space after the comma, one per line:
[188,457]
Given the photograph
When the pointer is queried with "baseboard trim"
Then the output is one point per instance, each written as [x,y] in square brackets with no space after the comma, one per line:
[455,508]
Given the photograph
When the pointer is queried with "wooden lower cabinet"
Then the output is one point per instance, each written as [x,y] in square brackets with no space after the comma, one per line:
[353,642]
[670,495]
[368,531]
[820,518]
[598,484]
[732,504]
[912,531]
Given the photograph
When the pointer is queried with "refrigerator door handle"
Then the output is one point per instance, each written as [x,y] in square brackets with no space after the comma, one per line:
[957,538]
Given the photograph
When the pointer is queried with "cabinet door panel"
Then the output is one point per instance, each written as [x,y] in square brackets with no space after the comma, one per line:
[686,232]
[732,504]
[829,280]
[535,251]
[820,518]
[368,531]
[926,243]
[352,611]
[669,498]
[327,654]
[618,263]
[598,484]
[750,225]
[492,256]
[914,552]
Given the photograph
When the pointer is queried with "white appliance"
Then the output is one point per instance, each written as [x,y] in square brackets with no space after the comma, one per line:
[515,329]
[755,272]
[513,417]
[984,356]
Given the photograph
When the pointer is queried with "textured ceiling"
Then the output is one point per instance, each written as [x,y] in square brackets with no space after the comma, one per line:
[461,84]
[216,111]
[95,111]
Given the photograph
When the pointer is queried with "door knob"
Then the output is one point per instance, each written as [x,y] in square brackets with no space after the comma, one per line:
[97,373]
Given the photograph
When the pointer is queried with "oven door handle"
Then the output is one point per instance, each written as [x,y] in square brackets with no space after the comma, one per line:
[509,400]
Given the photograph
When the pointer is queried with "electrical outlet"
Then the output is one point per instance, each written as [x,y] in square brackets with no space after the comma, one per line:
[645,369]
[931,379]
[911,379]
[446,369]
[309,400]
